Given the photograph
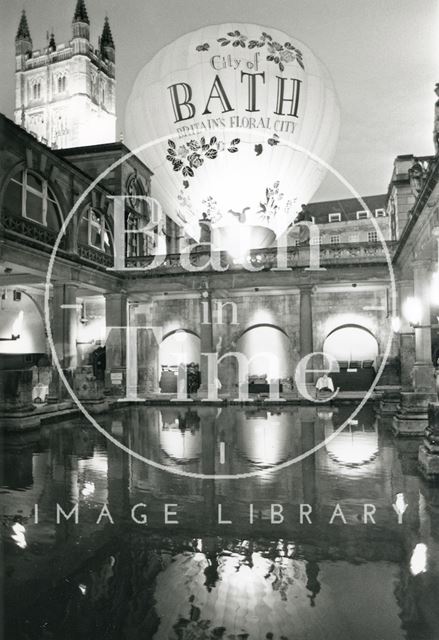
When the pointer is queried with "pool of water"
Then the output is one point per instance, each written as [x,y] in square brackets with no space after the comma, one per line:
[338,544]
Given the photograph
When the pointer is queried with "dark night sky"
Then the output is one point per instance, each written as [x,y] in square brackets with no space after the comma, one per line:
[381,55]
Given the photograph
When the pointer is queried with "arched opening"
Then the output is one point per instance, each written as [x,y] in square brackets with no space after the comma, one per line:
[267,349]
[356,350]
[29,195]
[179,348]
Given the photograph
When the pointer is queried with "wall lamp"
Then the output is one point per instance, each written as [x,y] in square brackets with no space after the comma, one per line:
[412,308]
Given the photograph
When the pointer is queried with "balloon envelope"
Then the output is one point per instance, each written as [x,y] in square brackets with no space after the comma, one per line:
[235,104]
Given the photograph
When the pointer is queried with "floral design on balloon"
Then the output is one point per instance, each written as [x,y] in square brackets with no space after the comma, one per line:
[191,155]
[280,54]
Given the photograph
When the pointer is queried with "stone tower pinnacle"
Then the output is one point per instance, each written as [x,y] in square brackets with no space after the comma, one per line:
[23,41]
[81,22]
[107,42]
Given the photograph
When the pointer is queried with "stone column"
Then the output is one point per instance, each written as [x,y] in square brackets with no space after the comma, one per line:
[412,417]
[64,326]
[305,314]
[405,341]
[406,338]
[206,337]
[115,368]
[423,372]
[65,323]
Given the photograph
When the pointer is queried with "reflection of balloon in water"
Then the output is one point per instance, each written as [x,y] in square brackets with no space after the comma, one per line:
[268,87]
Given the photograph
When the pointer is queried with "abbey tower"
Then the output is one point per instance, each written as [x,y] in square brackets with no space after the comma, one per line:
[65,94]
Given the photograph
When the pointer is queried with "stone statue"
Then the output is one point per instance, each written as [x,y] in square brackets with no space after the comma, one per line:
[416,177]
[205,229]
[303,216]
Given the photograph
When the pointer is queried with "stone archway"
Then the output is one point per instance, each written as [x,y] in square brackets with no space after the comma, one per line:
[356,350]
[180,347]
[267,348]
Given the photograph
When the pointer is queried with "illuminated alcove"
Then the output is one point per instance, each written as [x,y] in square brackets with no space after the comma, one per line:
[179,346]
[350,343]
[265,339]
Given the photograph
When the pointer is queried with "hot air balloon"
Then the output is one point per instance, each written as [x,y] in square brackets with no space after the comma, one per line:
[229,100]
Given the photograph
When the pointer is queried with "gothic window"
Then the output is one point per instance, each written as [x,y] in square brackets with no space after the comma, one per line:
[29,195]
[61,84]
[94,231]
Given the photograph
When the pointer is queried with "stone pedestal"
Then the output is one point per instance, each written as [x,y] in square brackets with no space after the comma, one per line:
[389,401]
[428,456]
[17,412]
[412,416]
[89,390]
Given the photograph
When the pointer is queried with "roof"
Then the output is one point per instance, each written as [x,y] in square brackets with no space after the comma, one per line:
[348,207]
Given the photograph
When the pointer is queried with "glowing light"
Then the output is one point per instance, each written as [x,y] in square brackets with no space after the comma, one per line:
[88,489]
[180,336]
[400,503]
[227,155]
[82,588]
[18,536]
[412,310]
[418,561]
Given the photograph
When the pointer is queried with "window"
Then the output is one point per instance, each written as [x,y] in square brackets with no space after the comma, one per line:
[335,239]
[372,236]
[36,91]
[94,230]
[316,240]
[380,213]
[334,217]
[362,215]
[354,237]
[61,84]
[29,195]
